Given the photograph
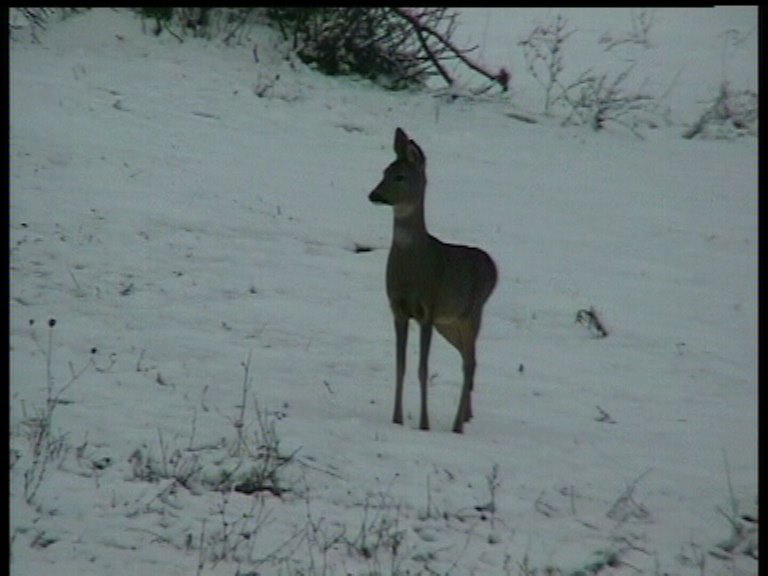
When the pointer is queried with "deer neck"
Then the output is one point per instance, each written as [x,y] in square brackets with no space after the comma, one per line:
[410,226]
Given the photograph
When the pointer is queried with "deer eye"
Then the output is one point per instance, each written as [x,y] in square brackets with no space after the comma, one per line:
[399,177]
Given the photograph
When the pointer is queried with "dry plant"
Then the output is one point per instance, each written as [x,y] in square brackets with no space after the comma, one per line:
[730,114]
[235,536]
[743,537]
[642,20]
[596,99]
[396,47]
[543,52]
[626,507]
[47,446]
[593,98]
[260,459]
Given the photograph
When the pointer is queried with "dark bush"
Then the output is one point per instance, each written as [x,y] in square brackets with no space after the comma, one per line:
[369,42]
[395,47]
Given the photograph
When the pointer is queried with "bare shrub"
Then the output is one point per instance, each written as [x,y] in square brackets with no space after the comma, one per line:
[543,52]
[233,536]
[32,21]
[594,98]
[597,99]
[743,538]
[732,113]
[396,47]
[46,445]
[172,463]
[642,20]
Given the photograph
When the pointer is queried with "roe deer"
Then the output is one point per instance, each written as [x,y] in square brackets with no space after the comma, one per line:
[439,285]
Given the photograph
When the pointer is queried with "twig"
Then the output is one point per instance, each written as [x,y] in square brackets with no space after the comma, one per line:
[201,548]
[592,320]
[239,423]
[734,501]
[428,51]
[501,78]
[138,362]
[625,506]
[544,507]
[604,416]
[305,464]
[170,31]
[77,284]
[194,428]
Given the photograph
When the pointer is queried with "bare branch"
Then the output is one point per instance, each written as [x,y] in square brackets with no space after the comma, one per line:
[444,42]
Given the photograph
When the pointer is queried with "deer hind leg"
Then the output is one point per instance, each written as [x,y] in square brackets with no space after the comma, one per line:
[464,412]
[469,360]
[462,336]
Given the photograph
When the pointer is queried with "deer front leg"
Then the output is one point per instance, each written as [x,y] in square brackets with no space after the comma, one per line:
[401,336]
[426,340]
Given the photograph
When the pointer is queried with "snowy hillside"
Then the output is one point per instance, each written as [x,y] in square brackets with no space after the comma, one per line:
[214,396]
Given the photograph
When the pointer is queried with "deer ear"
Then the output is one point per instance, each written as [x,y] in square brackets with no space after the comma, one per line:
[413,153]
[401,143]
[406,149]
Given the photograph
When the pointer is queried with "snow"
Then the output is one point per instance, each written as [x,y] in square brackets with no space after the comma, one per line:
[175,223]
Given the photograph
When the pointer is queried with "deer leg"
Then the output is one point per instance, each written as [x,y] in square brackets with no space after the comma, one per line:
[464,413]
[469,383]
[401,336]
[455,334]
[468,357]
[464,402]
[426,339]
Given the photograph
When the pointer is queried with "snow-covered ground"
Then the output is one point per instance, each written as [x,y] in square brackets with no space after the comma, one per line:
[184,215]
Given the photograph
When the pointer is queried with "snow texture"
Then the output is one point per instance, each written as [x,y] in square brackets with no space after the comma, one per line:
[185,213]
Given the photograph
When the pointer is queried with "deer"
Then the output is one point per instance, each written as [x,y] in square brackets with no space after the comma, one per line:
[439,285]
